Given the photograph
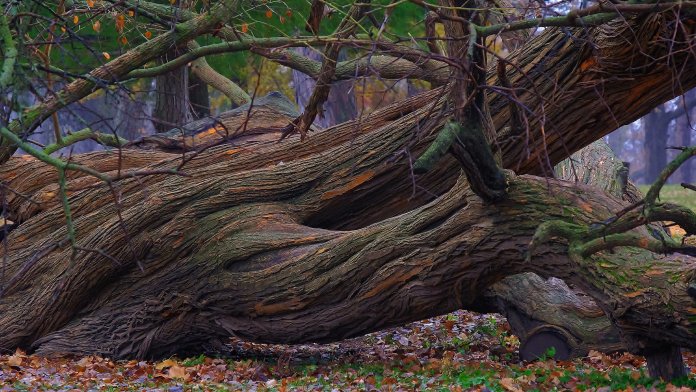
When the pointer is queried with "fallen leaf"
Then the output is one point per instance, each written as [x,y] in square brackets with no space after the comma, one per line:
[177,371]
[165,364]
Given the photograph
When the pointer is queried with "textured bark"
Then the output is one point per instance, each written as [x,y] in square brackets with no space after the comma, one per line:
[546,312]
[332,237]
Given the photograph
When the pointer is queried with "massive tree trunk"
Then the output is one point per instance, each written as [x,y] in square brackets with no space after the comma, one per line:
[333,237]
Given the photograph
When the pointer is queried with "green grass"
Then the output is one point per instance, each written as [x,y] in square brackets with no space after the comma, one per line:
[674,193]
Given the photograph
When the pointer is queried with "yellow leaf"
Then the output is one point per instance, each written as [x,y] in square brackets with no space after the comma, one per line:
[76,19]
[96,26]
[106,55]
[165,364]
[172,2]
[62,28]
[131,13]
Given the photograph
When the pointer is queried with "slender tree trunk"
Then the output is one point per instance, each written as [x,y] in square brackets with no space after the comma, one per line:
[655,128]
[685,128]
[198,94]
[172,102]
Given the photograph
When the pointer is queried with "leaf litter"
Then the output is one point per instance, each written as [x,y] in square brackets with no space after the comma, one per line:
[461,351]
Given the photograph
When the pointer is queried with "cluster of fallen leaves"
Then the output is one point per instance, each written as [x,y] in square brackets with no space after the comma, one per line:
[460,351]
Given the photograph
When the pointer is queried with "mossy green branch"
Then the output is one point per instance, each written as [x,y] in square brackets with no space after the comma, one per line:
[591,16]
[85,134]
[53,161]
[117,68]
[438,148]
[214,79]
[555,228]
[654,191]
[9,53]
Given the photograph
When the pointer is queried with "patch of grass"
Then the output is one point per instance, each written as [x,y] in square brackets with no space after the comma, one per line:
[199,360]
[674,193]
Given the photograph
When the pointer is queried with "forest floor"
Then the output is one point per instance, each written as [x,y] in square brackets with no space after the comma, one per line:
[457,352]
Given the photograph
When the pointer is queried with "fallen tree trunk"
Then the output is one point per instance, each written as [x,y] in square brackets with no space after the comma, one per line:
[242,253]
[313,241]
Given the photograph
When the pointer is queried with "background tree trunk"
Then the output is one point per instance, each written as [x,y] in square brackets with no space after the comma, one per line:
[172,103]
[656,129]
[685,127]
[198,95]
[339,107]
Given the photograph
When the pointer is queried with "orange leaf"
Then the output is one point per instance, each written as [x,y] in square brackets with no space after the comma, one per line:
[106,55]
[148,35]
[245,28]
[269,14]
[124,40]
[96,26]
[288,13]
[76,19]
[120,22]
[165,364]
[634,294]
[90,3]
[131,13]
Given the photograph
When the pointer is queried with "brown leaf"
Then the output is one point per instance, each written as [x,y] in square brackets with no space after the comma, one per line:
[510,385]
[177,371]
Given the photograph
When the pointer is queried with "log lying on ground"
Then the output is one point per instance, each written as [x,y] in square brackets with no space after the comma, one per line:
[236,248]
[319,240]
